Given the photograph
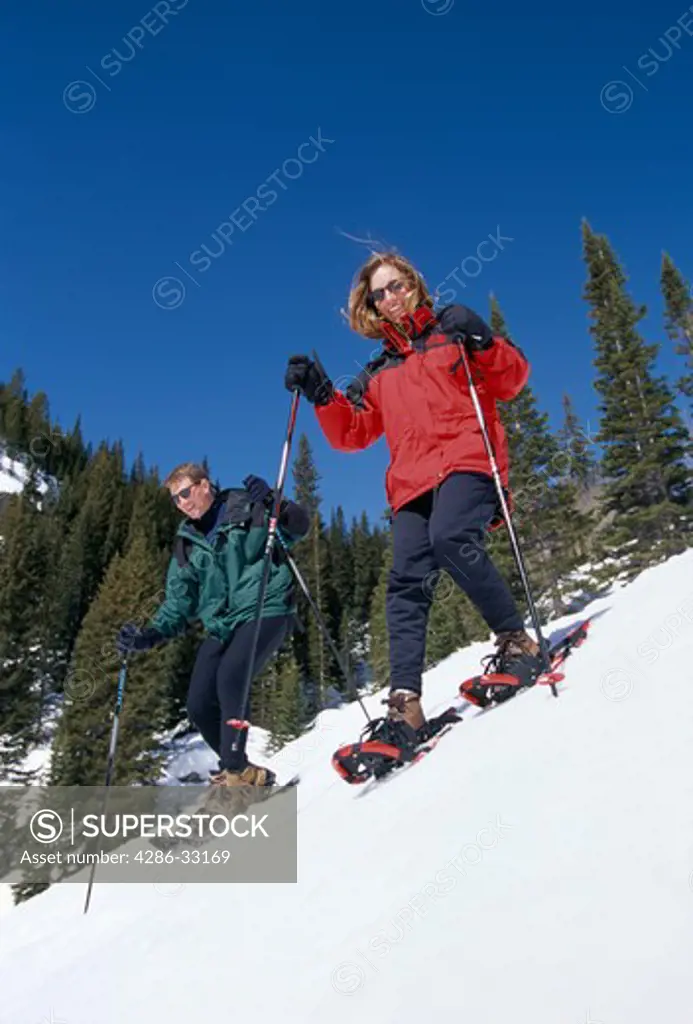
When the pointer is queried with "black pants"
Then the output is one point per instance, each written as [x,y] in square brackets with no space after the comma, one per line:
[442,529]
[217,681]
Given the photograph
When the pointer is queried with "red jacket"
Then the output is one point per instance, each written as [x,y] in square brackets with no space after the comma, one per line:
[418,396]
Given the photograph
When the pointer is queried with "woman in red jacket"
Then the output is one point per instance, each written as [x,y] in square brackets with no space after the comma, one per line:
[439,483]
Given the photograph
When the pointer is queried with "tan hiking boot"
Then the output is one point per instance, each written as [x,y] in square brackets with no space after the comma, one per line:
[251,775]
[405,706]
[232,792]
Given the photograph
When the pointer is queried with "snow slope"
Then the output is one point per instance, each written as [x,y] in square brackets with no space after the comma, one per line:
[536,868]
[14,475]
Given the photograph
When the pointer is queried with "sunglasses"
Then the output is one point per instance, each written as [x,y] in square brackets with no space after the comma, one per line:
[183,494]
[393,287]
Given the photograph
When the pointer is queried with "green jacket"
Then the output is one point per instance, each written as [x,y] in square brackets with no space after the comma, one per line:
[218,583]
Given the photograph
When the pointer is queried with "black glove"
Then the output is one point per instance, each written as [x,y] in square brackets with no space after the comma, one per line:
[132,638]
[308,376]
[478,336]
[259,490]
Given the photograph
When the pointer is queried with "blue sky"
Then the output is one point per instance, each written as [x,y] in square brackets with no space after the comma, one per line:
[134,135]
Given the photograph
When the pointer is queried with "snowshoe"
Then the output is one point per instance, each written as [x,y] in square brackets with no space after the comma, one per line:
[562,648]
[495,687]
[384,744]
[390,742]
[516,664]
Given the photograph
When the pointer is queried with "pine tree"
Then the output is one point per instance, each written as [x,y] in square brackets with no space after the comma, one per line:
[182,653]
[310,556]
[647,485]
[678,298]
[288,706]
[577,472]
[537,509]
[576,460]
[151,518]
[379,659]
[130,585]
[366,556]
[339,595]
[445,633]
[22,891]
[38,418]
[69,452]
[13,414]
[23,556]
[94,535]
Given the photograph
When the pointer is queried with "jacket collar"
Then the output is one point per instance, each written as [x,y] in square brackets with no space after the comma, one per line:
[238,510]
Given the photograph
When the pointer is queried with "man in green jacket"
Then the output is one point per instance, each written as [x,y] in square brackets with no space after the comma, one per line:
[214,577]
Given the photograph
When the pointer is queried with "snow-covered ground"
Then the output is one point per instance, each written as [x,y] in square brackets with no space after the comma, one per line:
[536,868]
[14,474]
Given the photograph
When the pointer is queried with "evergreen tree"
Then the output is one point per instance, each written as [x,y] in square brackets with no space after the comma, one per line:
[575,523]
[339,595]
[678,298]
[287,708]
[22,891]
[13,414]
[40,441]
[366,557]
[95,534]
[22,609]
[81,743]
[576,460]
[647,489]
[379,637]
[120,511]
[69,452]
[537,509]
[445,632]
[182,653]
[151,507]
[310,556]
[38,419]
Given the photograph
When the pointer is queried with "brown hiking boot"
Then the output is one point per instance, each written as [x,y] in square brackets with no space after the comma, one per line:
[405,706]
[517,655]
[518,642]
[398,729]
[251,775]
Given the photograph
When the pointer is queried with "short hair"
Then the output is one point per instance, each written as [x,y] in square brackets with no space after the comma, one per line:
[192,470]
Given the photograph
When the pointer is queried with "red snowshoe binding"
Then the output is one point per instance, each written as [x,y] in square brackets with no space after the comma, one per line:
[399,738]
[385,742]
[507,671]
[516,664]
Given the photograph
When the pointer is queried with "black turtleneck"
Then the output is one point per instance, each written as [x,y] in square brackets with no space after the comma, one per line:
[207,523]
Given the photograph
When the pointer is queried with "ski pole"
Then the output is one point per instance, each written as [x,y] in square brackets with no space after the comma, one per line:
[459,338]
[111,760]
[321,624]
[241,725]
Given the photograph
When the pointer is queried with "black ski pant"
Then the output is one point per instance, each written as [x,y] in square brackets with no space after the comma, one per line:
[442,529]
[218,679]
